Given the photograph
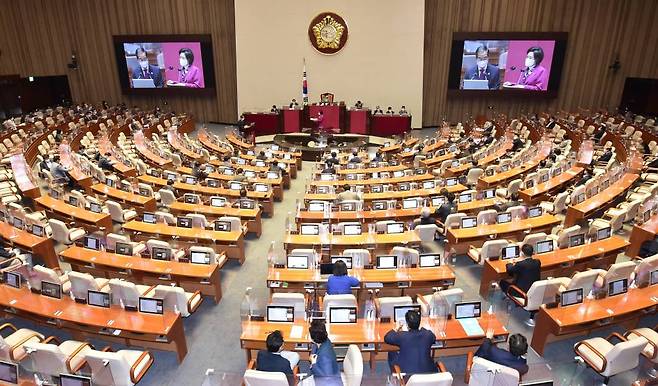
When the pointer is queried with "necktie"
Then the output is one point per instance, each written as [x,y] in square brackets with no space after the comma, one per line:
[146,75]
[481,74]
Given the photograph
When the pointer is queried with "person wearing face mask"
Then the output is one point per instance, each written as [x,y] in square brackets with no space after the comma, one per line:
[188,74]
[533,76]
[483,70]
[145,70]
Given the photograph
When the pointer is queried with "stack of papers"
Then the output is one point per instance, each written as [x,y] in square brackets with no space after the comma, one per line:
[471,326]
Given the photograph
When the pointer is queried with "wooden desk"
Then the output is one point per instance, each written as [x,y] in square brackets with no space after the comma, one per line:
[599,202]
[496,154]
[338,243]
[640,234]
[407,281]
[183,149]
[191,277]
[514,173]
[84,218]
[375,181]
[362,216]
[451,335]
[23,176]
[437,160]
[231,243]
[207,141]
[560,262]
[477,205]
[390,195]
[264,198]
[238,142]
[251,217]
[41,247]
[152,158]
[558,183]
[622,310]
[461,239]
[276,184]
[114,324]
[141,203]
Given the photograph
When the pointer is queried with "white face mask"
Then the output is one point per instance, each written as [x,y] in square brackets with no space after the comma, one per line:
[482,64]
[183,62]
[144,64]
[529,62]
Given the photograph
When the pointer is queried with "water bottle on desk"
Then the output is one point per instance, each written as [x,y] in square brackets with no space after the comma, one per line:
[370,307]
[246,305]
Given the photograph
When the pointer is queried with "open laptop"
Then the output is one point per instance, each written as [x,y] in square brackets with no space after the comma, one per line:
[280,314]
[143,83]
[342,315]
[571,297]
[476,84]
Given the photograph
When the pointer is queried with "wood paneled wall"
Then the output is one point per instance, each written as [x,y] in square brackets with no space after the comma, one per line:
[599,30]
[38,36]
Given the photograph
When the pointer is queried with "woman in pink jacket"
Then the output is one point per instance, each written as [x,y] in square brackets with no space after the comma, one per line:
[533,76]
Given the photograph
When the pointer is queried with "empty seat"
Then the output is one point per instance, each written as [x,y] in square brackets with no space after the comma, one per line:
[610,359]
[121,368]
[176,298]
[128,293]
[54,359]
[296,300]
[63,234]
[119,214]
[83,282]
[12,346]
[386,305]
[41,273]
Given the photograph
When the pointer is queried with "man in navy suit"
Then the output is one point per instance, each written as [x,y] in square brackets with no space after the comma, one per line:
[483,70]
[415,355]
[518,346]
[146,70]
[275,360]
[524,273]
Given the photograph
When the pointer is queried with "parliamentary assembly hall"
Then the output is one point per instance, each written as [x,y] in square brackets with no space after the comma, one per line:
[330,193]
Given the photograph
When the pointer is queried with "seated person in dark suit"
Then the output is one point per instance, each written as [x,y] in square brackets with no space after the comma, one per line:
[390,111]
[5,251]
[333,159]
[512,201]
[329,168]
[147,70]
[355,158]
[377,110]
[170,187]
[518,346]
[598,134]
[483,69]
[415,355]
[648,248]
[274,359]
[517,143]
[378,157]
[104,162]
[323,356]
[524,272]
[274,167]
[449,207]
[587,175]
[605,157]
[261,156]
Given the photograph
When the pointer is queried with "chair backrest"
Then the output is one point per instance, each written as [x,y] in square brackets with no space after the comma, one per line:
[173,297]
[387,304]
[236,223]
[492,248]
[454,220]
[295,300]
[486,373]
[166,196]
[437,379]
[618,271]
[165,217]
[426,232]
[264,378]
[565,234]
[108,368]
[114,238]
[514,186]
[380,226]
[157,243]
[198,220]
[542,292]
[624,356]
[129,293]
[534,238]
[60,230]
[473,175]
[560,202]
[309,253]
[487,216]
[42,273]
[47,359]
[517,211]
[411,255]
[116,211]
[585,280]
[353,366]
[81,283]
[576,192]
[360,257]
[330,301]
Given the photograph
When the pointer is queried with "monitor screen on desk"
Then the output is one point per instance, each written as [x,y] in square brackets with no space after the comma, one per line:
[535,211]
[272,175]
[529,184]
[191,198]
[73,201]
[260,163]
[37,230]
[52,290]
[379,205]
[213,183]
[346,259]
[347,206]
[571,297]
[489,194]
[54,193]
[429,184]
[451,181]
[387,262]
[297,262]
[247,204]
[577,240]
[352,229]
[395,228]
[183,222]
[469,222]
[18,222]
[197,257]
[190,180]
[617,287]
[465,197]
[13,279]
[91,243]
[9,372]
[222,226]
[342,315]
[98,299]
[217,201]
[438,201]
[404,187]
[489,172]
[467,310]
[74,380]
[235,185]
[399,312]
[262,188]
[427,260]
[326,177]
[653,277]
[580,198]
[172,176]
[109,182]
[125,249]
[228,171]
[510,252]
[280,314]
[544,177]
[149,218]
[249,173]
[504,168]
[410,203]
[545,246]
[315,206]
[603,233]
[398,174]
[95,207]
[309,229]
[376,188]
[151,305]
[503,218]
[159,253]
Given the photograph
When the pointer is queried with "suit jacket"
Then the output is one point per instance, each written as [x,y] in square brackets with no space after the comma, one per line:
[415,350]
[153,73]
[492,74]
[490,352]
[525,272]
[269,361]
[444,210]
[325,363]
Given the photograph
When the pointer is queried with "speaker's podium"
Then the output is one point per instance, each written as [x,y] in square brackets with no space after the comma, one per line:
[333,113]
[358,121]
[292,120]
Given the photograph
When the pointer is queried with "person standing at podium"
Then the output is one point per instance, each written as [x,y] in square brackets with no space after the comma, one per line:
[293,104]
